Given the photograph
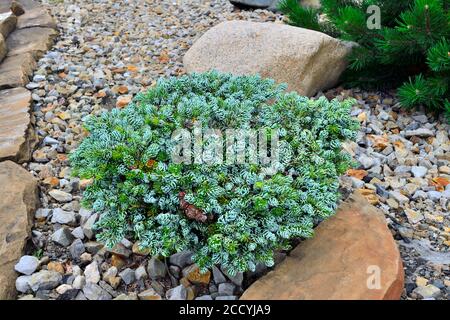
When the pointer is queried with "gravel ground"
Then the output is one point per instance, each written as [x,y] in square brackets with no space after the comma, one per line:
[110,50]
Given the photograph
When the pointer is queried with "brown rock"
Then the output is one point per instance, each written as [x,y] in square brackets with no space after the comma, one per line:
[358,174]
[16,70]
[3,50]
[149,294]
[34,40]
[16,136]
[18,202]
[123,101]
[120,250]
[193,274]
[117,261]
[7,23]
[5,5]
[56,266]
[51,181]
[308,61]
[17,8]
[340,262]
[140,252]
[37,17]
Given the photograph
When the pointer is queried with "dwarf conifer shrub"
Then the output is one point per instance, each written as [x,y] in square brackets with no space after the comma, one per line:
[409,48]
[233,215]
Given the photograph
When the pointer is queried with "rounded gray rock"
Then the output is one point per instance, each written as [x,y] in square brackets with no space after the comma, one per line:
[27,265]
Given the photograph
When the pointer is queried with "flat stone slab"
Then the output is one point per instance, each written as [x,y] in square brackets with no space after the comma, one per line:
[36,17]
[15,136]
[18,202]
[7,23]
[352,256]
[16,70]
[35,40]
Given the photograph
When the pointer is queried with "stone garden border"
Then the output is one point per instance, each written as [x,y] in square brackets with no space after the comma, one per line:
[27,31]
[352,256]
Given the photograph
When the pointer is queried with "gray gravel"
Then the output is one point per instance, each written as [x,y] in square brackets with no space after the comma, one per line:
[110,50]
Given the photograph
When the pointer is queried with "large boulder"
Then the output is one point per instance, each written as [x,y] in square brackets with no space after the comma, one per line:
[18,202]
[17,138]
[308,61]
[352,256]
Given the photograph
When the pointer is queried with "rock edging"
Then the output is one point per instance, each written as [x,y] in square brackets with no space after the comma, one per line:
[352,256]
[18,203]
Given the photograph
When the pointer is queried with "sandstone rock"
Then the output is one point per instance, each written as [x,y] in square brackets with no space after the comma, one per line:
[34,40]
[149,294]
[16,70]
[413,216]
[123,101]
[308,61]
[120,250]
[17,8]
[7,23]
[117,261]
[341,261]
[56,266]
[3,48]
[18,202]
[193,274]
[140,251]
[37,17]
[7,5]
[16,136]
